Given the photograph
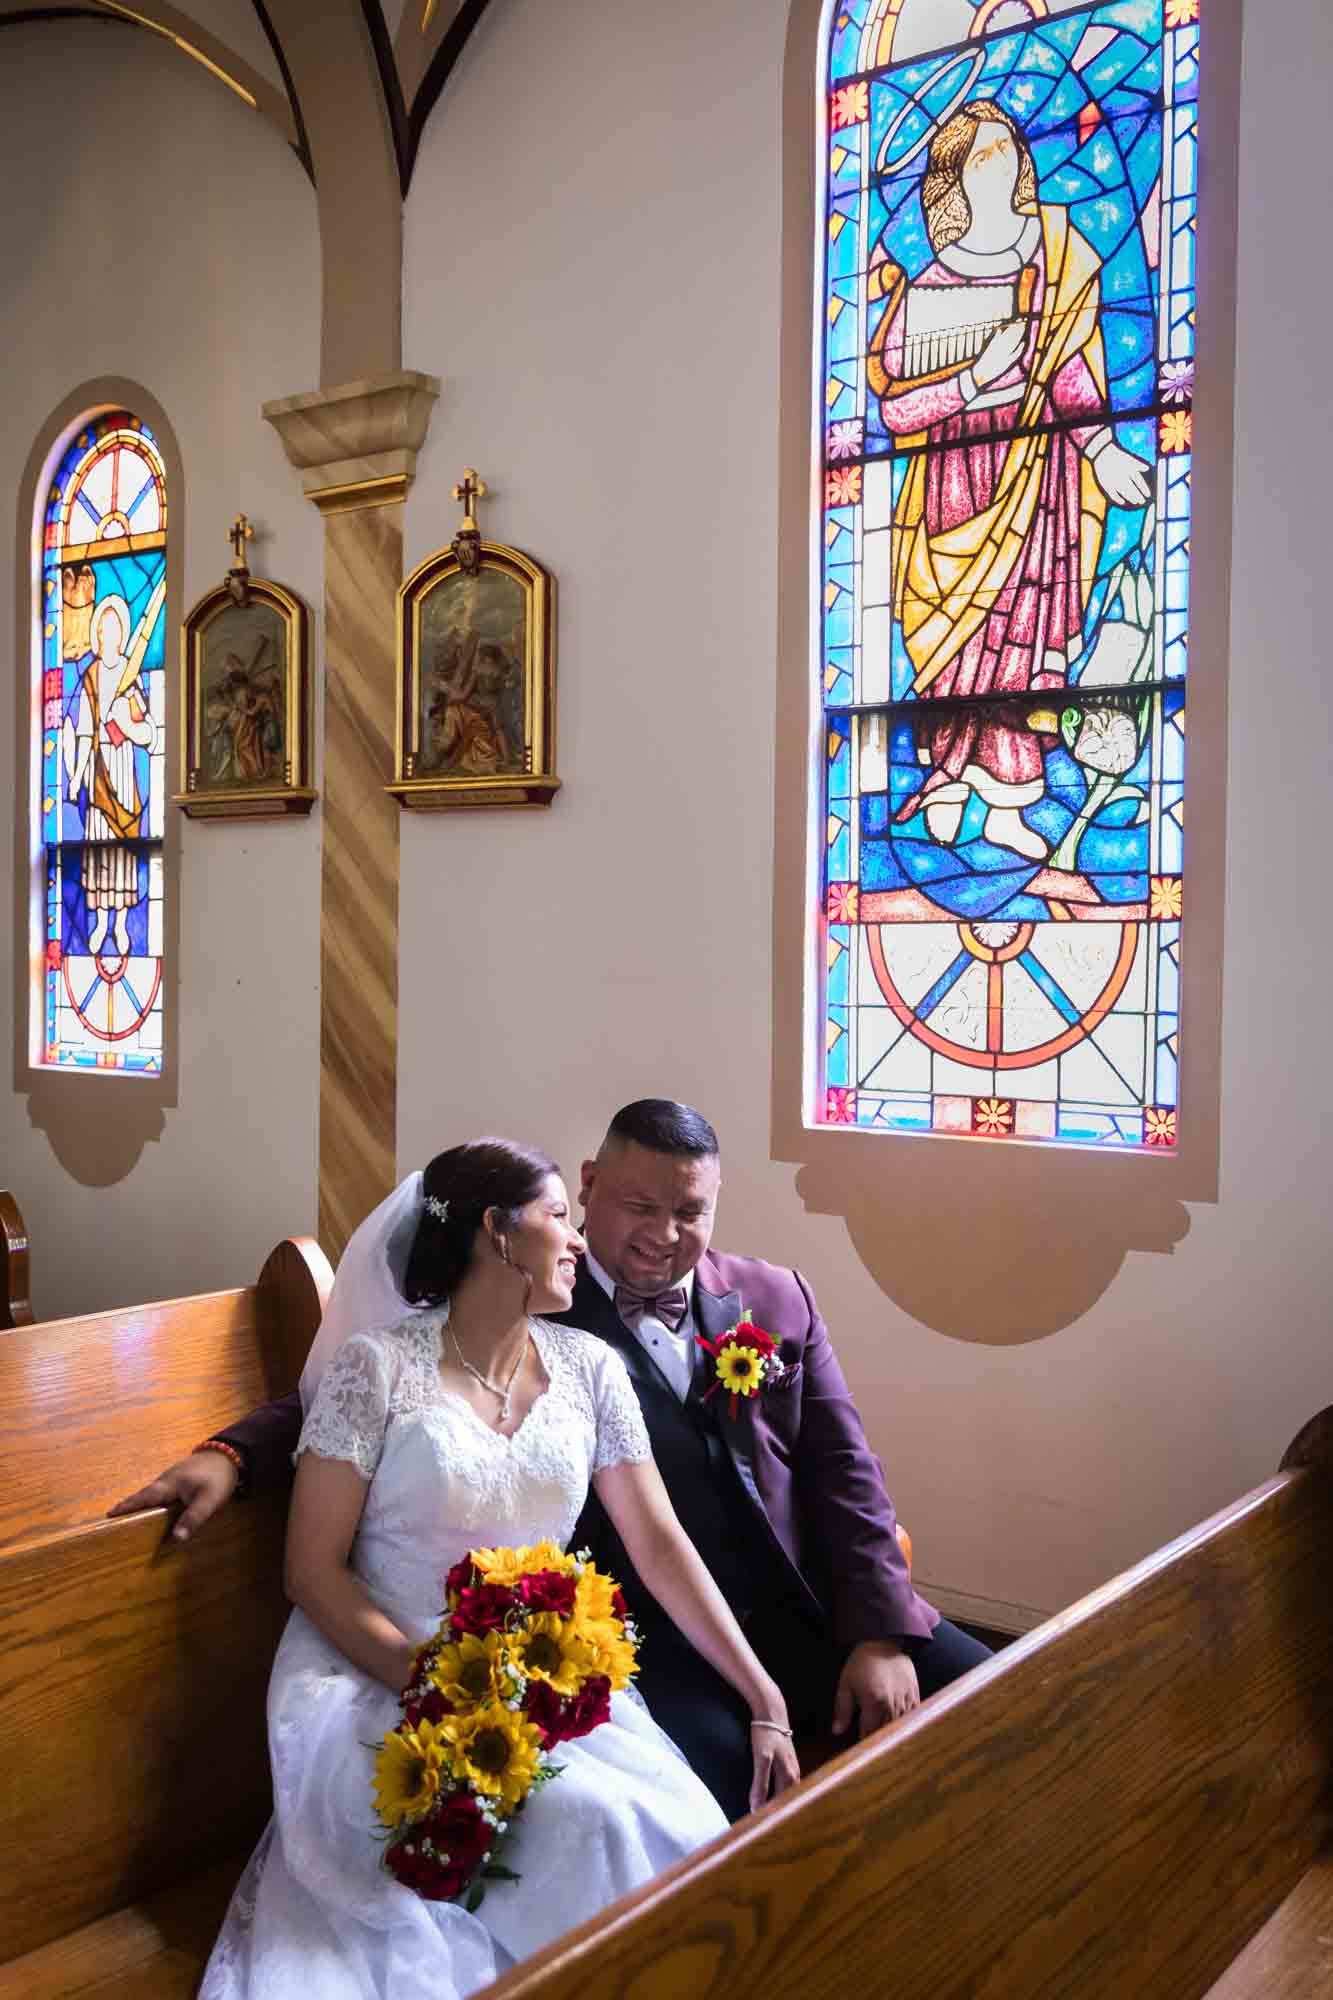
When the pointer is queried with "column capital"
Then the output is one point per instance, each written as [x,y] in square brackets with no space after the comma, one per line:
[356,446]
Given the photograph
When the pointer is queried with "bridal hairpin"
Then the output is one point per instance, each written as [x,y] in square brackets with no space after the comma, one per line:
[439,1209]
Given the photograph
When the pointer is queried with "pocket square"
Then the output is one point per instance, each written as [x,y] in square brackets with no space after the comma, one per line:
[785,1380]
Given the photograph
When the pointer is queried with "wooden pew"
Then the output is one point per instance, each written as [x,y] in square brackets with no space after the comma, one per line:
[133,1755]
[1115,1806]
[15,1299]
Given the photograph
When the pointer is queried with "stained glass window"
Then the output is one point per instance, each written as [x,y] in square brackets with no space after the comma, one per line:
[101,771]
[1005,421]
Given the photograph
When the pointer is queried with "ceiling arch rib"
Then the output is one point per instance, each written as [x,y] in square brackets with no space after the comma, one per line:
[197,40]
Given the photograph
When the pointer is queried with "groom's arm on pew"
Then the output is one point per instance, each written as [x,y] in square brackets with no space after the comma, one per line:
[208,1478]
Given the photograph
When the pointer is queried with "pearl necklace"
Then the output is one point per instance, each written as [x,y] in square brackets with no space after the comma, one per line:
[504,1390]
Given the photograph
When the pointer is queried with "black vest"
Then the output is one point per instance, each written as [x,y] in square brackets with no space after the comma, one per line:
[722,1520]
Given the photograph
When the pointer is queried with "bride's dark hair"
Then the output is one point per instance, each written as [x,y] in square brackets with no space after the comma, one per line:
[483,1174]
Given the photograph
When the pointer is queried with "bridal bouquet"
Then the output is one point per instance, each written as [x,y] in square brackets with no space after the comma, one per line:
[532,1643]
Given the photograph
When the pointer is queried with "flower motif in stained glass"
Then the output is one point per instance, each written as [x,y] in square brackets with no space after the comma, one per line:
[844,438]
[1176,381]
[851,105]
[993,1117]
[842,902]
[840,1107]
[1165,897]
[1177,428]
[1159,1126]
[842,488]
[1179,13]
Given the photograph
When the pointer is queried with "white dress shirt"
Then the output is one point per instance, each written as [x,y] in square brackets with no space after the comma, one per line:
[672,1350]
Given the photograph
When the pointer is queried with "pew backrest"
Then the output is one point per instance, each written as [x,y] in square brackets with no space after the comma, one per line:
[1111,1806]
[133,1751]
[15,1284]
[92,1407]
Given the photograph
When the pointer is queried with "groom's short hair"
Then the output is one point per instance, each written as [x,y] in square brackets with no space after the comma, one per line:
[664,1126]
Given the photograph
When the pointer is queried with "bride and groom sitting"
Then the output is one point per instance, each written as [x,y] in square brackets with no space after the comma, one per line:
[484,1375]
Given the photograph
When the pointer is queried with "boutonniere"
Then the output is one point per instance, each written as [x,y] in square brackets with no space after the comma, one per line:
[744,1359]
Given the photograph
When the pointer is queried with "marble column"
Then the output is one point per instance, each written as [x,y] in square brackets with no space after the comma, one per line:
[355,448]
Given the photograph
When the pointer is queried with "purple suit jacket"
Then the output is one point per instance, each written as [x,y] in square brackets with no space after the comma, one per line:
[799,1448]
[801,1451]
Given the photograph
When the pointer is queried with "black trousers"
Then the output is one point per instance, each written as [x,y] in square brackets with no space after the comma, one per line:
[710,1723]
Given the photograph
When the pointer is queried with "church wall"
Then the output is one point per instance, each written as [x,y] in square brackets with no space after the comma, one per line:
[156,229]
[594,265]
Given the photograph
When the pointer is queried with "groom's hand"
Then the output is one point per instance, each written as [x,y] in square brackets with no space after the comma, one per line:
[877,1685]
[199,1485]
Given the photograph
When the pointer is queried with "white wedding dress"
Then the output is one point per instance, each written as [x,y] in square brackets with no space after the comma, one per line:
[316,1913]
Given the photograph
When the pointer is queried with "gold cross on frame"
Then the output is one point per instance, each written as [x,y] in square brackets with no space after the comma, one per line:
[241,533]
[470,490]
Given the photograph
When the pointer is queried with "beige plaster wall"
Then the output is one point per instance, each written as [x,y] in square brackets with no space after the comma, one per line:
[593,265]
[155,228]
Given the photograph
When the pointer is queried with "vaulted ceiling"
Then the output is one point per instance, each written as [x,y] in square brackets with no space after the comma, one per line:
[265,52]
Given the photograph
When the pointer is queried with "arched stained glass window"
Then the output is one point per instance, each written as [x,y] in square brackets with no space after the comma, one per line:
[1004,416]
[102,753]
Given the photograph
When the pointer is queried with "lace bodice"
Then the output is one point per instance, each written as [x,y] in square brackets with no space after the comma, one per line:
[441,1480]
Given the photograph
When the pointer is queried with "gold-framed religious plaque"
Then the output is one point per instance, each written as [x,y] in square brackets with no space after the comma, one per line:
[245,698]
[476,675]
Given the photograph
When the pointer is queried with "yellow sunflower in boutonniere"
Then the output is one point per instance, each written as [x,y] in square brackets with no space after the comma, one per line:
[744,1359]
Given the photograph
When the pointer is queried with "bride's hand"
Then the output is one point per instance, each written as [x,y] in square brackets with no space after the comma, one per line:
[775,1765]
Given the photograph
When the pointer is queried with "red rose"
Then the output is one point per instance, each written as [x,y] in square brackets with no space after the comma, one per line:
[545,1709]
[431,1707]
[482,1609]
[588,1708]
[618,1604]
[754,1336]
[563,1717]
[460,1577]
[547,1590]
[457,1831]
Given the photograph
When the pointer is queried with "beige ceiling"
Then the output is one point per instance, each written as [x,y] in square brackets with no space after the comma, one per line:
[264,50]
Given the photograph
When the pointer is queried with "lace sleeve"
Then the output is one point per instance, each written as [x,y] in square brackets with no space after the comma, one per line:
[622,1435]
[350,1413]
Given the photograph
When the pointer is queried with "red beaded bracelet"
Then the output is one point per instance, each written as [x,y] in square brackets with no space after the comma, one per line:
[228,1451]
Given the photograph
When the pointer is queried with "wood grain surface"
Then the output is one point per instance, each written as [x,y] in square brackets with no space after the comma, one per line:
[1110,1807]
[155,1950]
[1291,1958]
[133,1750]
[15,1285]
[92,1408]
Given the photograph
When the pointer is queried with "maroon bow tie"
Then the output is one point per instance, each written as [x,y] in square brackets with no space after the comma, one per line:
[670,1306]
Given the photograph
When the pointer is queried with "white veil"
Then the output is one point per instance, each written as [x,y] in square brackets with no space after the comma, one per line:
[368,1286]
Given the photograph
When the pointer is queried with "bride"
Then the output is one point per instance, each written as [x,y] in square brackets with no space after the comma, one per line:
[469,1423]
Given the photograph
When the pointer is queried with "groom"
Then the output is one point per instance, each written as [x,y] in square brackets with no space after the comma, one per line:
[783,1499]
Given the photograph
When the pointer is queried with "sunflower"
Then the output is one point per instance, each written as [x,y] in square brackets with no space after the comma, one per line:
[550,1648]
[740,1369]
[494,1749]
[612,1655]
[408,1770]
[594,1600]
[471,1671]
[507,1565]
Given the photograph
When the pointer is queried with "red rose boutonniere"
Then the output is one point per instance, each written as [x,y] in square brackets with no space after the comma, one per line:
[744,1358]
